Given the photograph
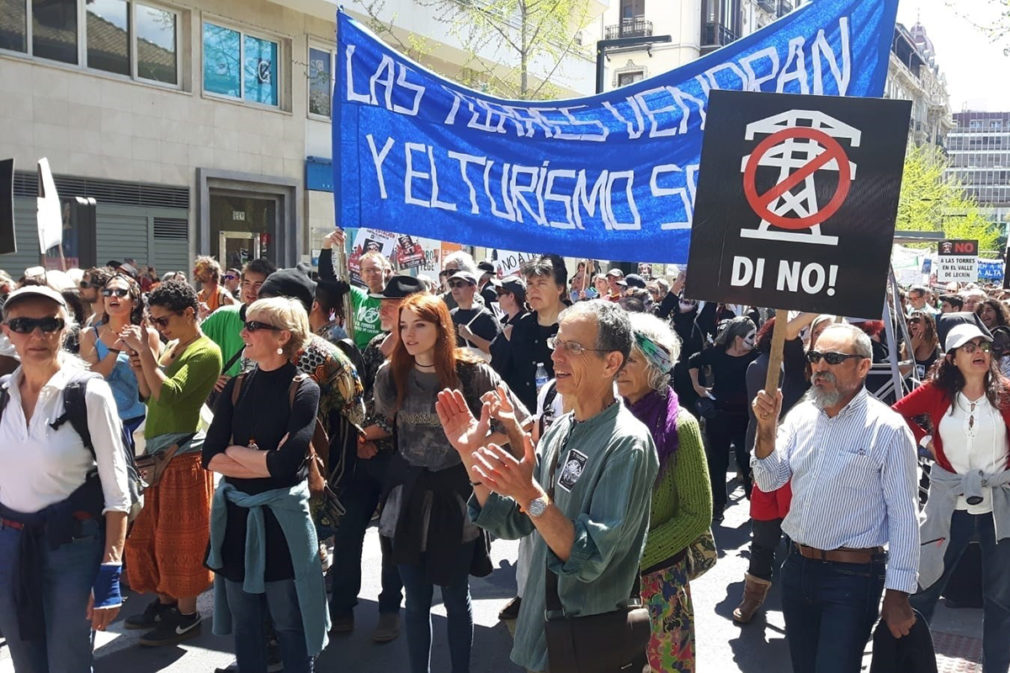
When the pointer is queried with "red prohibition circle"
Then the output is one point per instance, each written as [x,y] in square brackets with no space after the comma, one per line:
[833,151]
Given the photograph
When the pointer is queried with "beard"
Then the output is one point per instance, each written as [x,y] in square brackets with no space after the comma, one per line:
[823,399]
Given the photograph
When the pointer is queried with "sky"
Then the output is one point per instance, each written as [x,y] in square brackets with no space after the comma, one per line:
[976,70]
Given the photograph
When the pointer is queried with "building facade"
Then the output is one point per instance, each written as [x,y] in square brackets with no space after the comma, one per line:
[979,151]
[199,128]
[913,74]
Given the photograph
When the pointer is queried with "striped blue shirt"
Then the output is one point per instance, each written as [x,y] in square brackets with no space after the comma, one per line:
[853,479]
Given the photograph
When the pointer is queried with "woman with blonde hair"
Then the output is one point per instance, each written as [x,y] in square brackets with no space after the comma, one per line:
[434,542]
[263,544]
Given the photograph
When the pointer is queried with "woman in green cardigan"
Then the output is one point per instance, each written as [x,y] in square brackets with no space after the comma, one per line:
[681,496]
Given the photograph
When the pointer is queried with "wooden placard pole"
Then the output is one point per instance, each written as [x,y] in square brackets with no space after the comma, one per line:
[775,357]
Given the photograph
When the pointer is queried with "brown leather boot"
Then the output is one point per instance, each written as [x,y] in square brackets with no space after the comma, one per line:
[754,592]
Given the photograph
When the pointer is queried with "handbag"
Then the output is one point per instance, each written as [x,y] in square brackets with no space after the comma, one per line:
[705,406]
[611,642]
[701,555]
[150,468]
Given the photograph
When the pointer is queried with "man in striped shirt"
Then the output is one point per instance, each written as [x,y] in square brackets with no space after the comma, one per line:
[852,463]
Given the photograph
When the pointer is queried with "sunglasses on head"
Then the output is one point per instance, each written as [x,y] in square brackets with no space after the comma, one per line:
[813,357]
[117,291]
[28,325]
[256,325]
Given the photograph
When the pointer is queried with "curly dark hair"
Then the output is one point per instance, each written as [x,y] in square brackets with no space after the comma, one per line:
[1002,314]
[99,276]
[948,378]
[173,295]
[135,294]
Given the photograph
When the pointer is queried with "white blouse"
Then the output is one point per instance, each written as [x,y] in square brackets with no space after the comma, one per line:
[974,437]
[40,466]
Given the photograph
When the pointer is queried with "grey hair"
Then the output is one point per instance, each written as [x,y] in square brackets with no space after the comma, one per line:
[63,356]
[463,259]
[613,326]
[860,341]
[659,332]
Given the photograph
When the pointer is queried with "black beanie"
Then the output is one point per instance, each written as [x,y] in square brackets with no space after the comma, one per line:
[290,283]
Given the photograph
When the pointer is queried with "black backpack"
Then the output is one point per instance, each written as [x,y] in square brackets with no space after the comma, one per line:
[75,411]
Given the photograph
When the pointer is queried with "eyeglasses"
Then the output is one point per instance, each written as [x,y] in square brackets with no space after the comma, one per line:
[86,284]
[813,357]
[117,291]
[570,347]
[161,323]
[458,283]
[971,347]
[256,325]
[230,276]
[28,325]
[914,321]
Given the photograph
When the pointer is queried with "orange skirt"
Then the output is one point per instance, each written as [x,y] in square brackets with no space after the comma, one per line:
[168,542]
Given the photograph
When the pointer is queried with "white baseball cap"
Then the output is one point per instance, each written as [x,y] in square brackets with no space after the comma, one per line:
[962,334]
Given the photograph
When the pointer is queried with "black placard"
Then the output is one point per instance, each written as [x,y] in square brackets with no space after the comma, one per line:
[796,203]
[8,243]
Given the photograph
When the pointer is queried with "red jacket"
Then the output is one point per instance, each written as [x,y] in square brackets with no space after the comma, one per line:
[930,400]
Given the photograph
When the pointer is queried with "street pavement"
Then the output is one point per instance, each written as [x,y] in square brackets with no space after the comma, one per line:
[722,646]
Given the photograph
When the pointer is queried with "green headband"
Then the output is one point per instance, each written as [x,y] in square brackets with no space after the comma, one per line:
[656,354]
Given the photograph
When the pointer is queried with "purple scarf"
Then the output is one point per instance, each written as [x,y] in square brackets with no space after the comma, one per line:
[658,410]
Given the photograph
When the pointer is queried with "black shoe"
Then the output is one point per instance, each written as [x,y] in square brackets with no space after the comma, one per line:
[274,662]
[511,609]
[150,617]
[173,628]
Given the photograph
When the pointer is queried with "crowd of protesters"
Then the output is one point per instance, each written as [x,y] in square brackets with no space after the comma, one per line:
[592,417]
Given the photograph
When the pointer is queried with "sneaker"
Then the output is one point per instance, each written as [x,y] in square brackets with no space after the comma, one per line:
[342,624]
[388,627]
[150,617]
[173,628]
[511,609]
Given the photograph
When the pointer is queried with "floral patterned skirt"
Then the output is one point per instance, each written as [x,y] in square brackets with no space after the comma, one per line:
[667,595]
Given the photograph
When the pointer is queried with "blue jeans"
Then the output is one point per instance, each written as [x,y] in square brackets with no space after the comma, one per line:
[830,609]
[360,495]
[964,529]
[248,614]
[67,575]
[459,614]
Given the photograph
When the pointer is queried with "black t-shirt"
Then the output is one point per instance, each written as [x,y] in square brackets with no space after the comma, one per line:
[264,414]
[516,359]
[729,377]
[480,320]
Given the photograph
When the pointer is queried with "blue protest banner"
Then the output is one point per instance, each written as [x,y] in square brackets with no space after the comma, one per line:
[612,176]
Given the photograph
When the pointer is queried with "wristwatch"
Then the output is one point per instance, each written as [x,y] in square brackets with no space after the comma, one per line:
[537,507]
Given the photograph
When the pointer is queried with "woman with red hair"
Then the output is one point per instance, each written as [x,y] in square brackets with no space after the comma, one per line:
[434,542]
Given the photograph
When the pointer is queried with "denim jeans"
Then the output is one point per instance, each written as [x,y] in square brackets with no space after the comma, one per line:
[964,529]
[360,494]
[67,575]
[459,614]
[830,609]
[248,613]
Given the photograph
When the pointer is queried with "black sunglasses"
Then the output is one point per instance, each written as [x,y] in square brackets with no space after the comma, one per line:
[85,285]
[28,325]
[117,291]
[160,322]
[256,325]
[458,283]
[814,357]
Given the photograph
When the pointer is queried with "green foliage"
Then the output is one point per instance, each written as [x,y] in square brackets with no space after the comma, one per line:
[931,201]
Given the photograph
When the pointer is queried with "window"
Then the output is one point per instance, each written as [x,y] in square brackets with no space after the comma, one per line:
[239,66]
[54,30]
[996,125]
[625,78]
[320,81]
[127,38]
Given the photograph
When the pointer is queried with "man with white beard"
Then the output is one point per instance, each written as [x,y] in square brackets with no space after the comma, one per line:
[852,462]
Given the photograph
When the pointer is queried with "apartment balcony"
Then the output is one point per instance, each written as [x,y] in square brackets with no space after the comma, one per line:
[714,35]
[631,27]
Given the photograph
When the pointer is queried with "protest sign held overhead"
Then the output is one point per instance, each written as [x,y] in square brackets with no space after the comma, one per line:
[957,260]
[797,201]
[612,176]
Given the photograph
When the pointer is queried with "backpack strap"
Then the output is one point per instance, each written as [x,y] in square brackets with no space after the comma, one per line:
[75,409]
[4,394]
[296,383]
[237,389]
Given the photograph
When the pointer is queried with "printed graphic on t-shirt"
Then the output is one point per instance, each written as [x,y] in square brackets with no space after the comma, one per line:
[574,465]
